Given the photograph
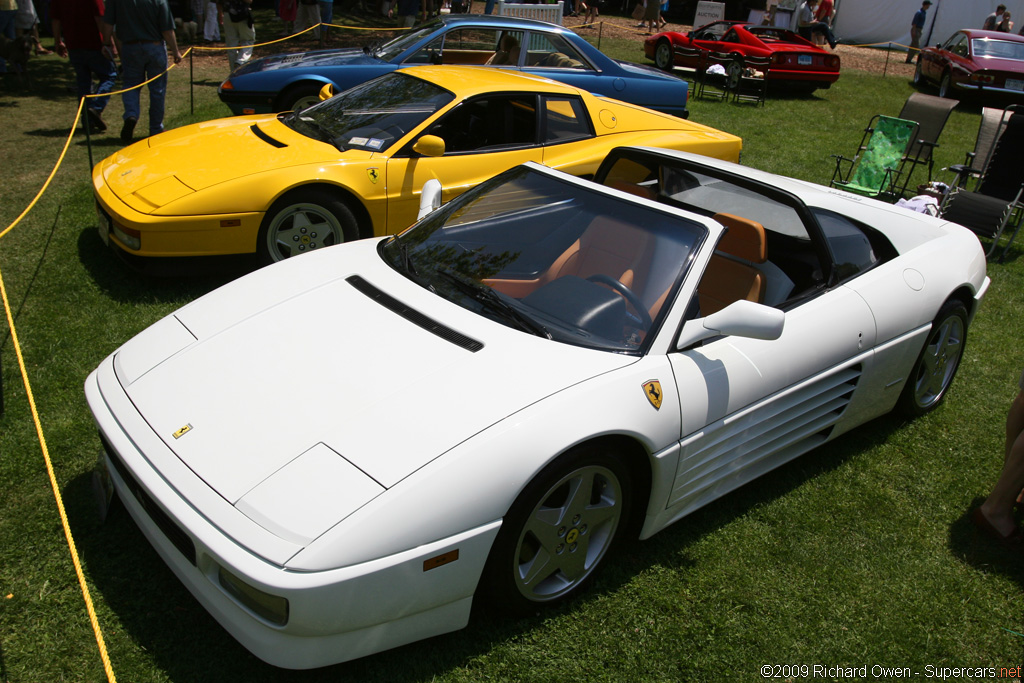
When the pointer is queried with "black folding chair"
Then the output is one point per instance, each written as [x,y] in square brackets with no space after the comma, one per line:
[751,84]
[995,204]
[713,86]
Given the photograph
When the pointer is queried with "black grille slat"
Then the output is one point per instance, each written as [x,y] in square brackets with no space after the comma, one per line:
[171,530]
[412,315]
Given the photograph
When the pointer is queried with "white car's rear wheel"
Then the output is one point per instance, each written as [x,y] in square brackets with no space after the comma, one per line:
[939,360]
[559,530]
[304,221]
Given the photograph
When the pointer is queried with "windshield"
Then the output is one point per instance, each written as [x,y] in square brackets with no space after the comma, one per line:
[1002,49]
[371,116]
[553,258]
[403,42]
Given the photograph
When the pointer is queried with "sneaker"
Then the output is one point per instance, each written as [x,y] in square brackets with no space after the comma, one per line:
[127,129]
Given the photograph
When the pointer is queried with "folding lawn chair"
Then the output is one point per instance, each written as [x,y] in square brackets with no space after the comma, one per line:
[875,169]
[995,204]
[711,86]
[975,162]
[751,84]
[931,114]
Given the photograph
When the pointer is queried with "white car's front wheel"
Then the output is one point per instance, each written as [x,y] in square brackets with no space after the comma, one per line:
[559,530]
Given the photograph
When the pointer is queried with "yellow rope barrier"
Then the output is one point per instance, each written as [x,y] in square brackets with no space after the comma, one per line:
[93,619]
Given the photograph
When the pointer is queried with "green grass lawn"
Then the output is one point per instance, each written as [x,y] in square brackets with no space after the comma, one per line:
[857,554]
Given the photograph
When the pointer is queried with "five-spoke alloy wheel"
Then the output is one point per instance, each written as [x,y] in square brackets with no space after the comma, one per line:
[937,365]
[559,530]
[304,221]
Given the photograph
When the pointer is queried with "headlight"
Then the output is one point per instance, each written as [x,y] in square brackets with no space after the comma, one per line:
[264,605]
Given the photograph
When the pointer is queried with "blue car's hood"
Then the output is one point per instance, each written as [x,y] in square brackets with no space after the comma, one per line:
[319,58]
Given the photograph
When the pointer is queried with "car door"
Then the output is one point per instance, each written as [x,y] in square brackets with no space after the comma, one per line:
[749,405]
[483,136]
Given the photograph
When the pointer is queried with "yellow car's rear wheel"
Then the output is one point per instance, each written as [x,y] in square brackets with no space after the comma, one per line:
[302,221]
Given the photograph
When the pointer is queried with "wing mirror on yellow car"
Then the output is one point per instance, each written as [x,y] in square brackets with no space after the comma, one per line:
[429,146]
[327,92]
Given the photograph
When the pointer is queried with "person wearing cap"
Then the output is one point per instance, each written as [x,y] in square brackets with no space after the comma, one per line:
[916,29]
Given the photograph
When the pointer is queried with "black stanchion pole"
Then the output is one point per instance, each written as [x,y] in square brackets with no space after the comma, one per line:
[191,83]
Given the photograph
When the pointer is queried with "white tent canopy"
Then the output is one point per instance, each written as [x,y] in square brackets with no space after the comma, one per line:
[888,21]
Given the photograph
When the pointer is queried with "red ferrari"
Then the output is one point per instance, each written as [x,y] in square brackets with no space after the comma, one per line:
[989,64]
[794,61]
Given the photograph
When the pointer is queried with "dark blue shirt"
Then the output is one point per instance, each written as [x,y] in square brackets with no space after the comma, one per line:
[919,17]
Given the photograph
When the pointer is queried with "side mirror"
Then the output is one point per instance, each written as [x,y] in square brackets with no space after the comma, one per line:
[430,198]
[738,319]
[429,146]
[327,92]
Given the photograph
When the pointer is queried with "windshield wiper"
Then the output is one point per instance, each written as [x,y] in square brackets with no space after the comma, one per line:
[408,266]
[492,300]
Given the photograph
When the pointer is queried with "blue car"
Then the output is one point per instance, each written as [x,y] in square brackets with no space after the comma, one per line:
[288,82]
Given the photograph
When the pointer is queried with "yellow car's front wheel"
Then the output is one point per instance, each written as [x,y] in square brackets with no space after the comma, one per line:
[305,220]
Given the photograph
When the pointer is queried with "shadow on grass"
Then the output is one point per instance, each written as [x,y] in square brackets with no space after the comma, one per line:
[125,279]
[159,614]
[981,552]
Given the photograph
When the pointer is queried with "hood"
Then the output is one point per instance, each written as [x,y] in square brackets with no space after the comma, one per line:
[159,170]
[294,365]
[317,58]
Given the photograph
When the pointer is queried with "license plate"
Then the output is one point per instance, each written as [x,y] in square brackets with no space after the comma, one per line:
[1014,84]
[804,60]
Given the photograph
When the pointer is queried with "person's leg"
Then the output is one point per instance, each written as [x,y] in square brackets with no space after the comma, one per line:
[133,61]
[998,507]
[231,41]
[246,39]
[156,63]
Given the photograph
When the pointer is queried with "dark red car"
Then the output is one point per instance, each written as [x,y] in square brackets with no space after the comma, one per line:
[794,61]
[988,64]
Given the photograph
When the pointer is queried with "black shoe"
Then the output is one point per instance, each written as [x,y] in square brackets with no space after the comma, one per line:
[127,129]
[96,124]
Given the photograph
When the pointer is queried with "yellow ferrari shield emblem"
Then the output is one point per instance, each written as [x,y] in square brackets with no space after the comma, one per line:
[182,432]
[652,390]
[374,175]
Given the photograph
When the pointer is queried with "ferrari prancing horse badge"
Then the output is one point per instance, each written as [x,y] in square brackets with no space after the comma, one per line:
[652,389]
[374,175]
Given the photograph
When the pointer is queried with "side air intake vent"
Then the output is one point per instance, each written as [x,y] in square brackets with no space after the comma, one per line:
[412,315]
[266,138]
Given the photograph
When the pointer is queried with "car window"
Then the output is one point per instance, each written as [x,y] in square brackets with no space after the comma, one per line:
[552,256]
[371,116]
[565,120]
[711,31]
[553,52]
[957,45]
[404,41]
[731,37]
[791,267]
[471,45]
[489,123]
[855,247]
[1002,49]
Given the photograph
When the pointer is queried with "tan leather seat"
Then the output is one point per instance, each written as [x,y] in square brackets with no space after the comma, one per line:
[732,274]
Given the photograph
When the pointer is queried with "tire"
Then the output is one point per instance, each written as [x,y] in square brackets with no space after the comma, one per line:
[299,97]
[664,55]
[918,78]
[938,362]
[304,220]
[733,74]
[946,85]
[559,531]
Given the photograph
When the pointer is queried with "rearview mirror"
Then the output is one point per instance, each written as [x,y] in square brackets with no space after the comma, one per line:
[738,319]
[429,146]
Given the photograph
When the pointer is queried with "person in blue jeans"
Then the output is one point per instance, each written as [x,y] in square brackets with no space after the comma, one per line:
[326,17]
[8,13]
[145,29]
[77,37]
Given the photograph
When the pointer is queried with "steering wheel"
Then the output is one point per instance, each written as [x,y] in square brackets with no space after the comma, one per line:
[627,294]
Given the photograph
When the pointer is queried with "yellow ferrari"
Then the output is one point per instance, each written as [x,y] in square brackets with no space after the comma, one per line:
[354,165]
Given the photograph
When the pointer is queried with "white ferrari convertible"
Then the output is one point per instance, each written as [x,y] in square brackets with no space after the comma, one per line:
[339,453]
